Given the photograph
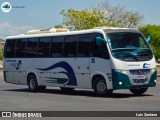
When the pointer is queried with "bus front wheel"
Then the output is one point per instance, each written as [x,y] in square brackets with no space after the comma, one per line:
[33,85]
[138,91]
[100,87]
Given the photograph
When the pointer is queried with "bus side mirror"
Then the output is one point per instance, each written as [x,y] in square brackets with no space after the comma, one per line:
[99,41]
[149,39]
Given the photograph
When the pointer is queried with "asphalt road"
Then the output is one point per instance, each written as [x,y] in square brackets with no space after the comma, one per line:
[18,98]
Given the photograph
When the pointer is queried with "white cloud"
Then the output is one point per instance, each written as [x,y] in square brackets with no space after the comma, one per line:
[7,29]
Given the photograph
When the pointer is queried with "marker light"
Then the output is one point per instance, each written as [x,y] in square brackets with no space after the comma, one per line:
[155,81]
[120,83]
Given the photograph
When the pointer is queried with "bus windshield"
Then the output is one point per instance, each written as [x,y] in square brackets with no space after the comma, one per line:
[129,46]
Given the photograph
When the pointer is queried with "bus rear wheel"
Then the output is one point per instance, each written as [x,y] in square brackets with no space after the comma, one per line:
[100,87]
[138,91]
[33,85]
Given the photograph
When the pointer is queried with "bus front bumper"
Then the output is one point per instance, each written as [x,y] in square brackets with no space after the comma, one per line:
[122,81]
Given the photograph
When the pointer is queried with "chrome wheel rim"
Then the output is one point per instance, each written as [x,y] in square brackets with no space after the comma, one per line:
[101,87]
[32,84]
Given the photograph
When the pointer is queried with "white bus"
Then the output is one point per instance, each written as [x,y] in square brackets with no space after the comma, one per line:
[103,59]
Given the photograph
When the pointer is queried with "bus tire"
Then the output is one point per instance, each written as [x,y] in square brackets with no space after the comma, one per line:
[138,91]
[32,83]
[66,89]
[100,87]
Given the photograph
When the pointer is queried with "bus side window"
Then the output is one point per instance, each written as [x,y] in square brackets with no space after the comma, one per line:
[21,48]
[44,47]
[32,47]
[10,48]
[57,46]
[100,51]
[70,46]
[84,42]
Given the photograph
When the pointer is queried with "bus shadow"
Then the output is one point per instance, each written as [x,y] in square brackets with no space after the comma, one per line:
[80,93]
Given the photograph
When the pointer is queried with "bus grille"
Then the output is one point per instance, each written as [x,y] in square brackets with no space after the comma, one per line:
[140,72]
[137,81]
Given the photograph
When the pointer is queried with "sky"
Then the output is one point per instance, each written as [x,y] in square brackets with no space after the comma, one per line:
[40,14]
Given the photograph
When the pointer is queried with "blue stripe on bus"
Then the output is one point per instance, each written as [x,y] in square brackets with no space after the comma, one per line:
[69,71]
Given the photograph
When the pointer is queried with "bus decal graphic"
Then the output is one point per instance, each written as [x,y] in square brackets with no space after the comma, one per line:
[15,63]
[69,71]
[18,64]
[145,65]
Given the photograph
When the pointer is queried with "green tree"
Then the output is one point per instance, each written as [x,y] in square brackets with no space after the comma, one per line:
[1,53]
[104,15]
[154,32]
[118,16]
[83,19]
[58,26]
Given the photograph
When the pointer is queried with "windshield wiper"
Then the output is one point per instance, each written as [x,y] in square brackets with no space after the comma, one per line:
[123,49]
[144,54]
[130,56]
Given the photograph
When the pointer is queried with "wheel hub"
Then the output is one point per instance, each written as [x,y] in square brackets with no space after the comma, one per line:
[101,87]
[32,84]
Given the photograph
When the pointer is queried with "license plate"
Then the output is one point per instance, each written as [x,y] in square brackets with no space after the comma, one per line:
[141,77]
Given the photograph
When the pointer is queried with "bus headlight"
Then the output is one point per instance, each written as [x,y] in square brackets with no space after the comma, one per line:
[153,70]
[122,71]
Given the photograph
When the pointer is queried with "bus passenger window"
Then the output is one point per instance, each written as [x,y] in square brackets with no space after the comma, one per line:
[21,48]
[70,46]
[57,46]
[84,42]
[32,47]
[44,47]
[9,51]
